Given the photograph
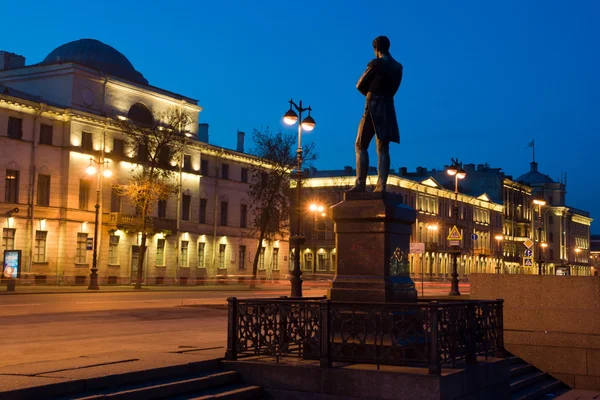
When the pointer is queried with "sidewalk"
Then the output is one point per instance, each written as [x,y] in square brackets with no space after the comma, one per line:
[577,394]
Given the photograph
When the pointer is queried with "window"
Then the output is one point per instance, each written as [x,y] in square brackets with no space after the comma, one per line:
[201,254]
[40,246]
[275,259]
[11,186]
[183,253]
[551,237]
[225,171]
[261,259]
[186,202]
[550,219]
[187,162]
[242,257]
[8,239]
[115,200]
[164,156]
[308,260]
[142,153]
[162,209]
[204,167]
[87,141]
[46,134]
[322,262]
[222,248]
[160,252]
[81,250]
[15,127]
[245,175]
[43,190]
[118,147]
[202,216]
[113,250]
[243,215]
[224,213]
[84,194]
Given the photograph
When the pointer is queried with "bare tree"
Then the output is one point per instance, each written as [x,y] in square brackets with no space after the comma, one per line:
[156,144]
[269,188]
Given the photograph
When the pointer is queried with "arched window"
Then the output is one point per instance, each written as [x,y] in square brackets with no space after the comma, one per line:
[140,113]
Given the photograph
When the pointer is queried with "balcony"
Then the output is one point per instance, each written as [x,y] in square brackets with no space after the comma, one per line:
[164,224]
[125,221]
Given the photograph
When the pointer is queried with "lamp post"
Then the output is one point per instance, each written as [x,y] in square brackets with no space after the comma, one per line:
[308,124]
[107,173]
[544,245]
[498,238]
[539,203]
[316,209]
[458,173]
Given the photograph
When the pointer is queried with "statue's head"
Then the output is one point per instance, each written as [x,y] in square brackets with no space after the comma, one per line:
[381,44]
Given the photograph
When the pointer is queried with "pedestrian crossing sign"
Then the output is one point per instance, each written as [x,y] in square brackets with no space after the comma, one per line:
[454,234]
[527,261]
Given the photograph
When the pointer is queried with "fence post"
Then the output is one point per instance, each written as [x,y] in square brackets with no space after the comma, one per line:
[470,336]
[325,349]
[500,350]
[232,307]
[434,357]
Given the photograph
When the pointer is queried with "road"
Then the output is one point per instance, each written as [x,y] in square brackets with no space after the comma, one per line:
[47,327]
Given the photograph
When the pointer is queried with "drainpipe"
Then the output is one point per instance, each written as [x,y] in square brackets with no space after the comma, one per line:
[32,174]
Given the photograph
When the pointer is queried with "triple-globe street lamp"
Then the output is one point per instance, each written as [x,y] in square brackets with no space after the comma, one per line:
[307,124]
[458,173]
[107,173]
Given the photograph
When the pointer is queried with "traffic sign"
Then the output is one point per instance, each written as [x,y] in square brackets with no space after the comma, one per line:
[417,248]
[90,244]
[527,261]
[455,234]
[455,243]
[528,243]
[528,253]
[474,236]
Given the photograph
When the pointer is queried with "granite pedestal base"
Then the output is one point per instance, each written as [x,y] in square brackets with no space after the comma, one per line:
[373,240]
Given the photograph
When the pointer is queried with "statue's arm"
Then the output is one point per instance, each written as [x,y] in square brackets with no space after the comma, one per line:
[365,80]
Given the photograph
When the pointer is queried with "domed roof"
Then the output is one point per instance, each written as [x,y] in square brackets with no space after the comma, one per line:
[95,54]
[534,177]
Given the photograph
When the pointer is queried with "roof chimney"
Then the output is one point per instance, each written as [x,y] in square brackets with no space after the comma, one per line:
[240,142]
[10,60]
[203,132]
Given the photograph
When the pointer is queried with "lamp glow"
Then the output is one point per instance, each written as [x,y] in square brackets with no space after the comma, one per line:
[90,170]
[539,202]
[107,173]
[308,124]
[290,117]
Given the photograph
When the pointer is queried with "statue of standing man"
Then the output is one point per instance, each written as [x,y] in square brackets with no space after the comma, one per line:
[379,83]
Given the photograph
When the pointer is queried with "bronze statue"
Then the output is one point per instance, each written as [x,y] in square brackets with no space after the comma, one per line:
[379,83]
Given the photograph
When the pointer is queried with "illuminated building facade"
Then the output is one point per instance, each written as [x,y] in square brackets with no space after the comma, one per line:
[57,115]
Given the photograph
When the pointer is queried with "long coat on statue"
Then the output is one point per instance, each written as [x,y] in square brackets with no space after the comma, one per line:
[379,83]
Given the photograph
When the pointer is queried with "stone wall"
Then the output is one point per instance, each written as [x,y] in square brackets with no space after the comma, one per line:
[552,322]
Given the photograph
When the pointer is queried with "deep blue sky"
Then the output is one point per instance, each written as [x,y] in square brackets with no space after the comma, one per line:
[481,78]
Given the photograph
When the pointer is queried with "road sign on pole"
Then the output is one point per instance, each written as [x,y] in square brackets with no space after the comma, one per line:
[528,252]
[527,261]
[455,234]
[89,243]
[474,236]
[528,243]
[417,248]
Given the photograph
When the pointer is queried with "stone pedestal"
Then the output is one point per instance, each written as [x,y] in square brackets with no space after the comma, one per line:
[372,240]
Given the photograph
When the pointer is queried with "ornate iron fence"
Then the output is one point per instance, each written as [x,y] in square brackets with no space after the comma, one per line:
[426,333]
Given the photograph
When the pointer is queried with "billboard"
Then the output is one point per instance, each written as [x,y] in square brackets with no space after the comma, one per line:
[12,264]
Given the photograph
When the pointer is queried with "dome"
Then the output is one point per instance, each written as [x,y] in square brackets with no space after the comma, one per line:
[534,177]
[95,54]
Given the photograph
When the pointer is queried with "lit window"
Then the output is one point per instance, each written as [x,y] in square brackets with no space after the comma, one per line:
[81,250]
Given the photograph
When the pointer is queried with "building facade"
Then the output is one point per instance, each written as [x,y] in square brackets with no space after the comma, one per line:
[497,219]
[59,117]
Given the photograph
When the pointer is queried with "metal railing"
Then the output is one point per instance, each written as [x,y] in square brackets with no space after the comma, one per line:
[426,333]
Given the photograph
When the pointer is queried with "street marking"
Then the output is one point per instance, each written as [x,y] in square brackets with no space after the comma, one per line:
[21,305]
[119,301]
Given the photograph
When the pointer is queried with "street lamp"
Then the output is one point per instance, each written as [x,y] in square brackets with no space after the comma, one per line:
[539,203]
[316,209]
[544,245]
[498,238]
[307,124]
[458,173]
[107,173]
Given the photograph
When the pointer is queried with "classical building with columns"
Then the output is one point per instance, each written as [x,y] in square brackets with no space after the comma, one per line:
[497,220]
[57,118]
